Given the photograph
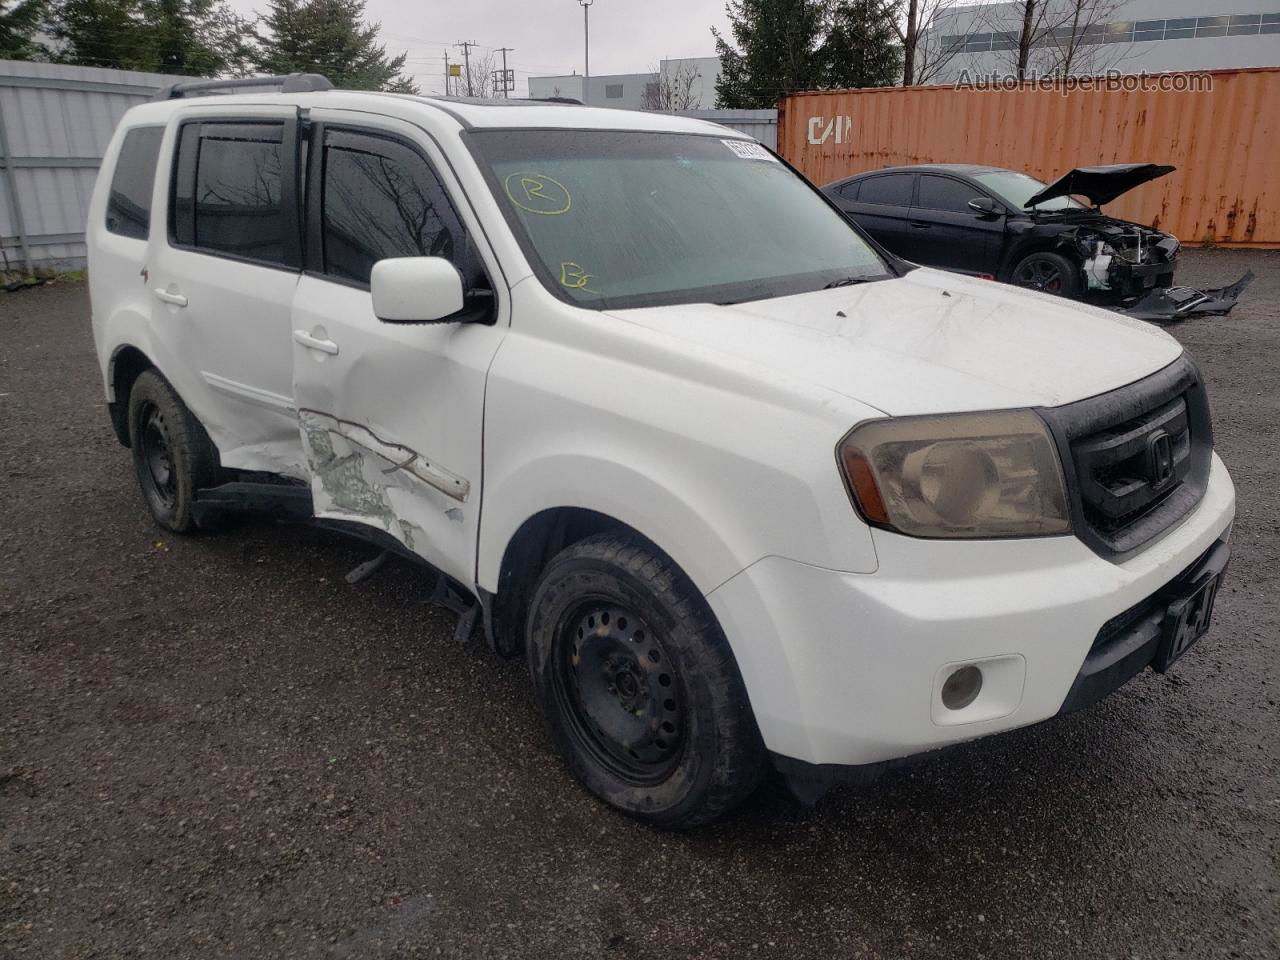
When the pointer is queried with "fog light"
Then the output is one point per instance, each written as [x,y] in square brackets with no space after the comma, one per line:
[961,688]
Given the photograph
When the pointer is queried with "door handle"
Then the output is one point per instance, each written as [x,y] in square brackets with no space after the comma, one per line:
[174,299]
[919,225]
[315,343]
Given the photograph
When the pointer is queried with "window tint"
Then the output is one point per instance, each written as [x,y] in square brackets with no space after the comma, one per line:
[380,200]
[129,203]
[227,195]
[893,189]
[943,193]
[850,190]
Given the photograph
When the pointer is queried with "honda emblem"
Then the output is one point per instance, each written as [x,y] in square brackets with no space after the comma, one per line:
[1159,458]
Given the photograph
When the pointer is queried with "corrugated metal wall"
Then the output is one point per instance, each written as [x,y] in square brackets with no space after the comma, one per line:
[761,124]
[1226,189]
[55,123]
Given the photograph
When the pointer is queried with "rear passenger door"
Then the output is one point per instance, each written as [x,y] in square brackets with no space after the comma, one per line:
[391,415]
[944,231]
[222,278]
[882,206]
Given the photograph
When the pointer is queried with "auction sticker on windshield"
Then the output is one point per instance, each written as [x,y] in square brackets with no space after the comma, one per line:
[748,150]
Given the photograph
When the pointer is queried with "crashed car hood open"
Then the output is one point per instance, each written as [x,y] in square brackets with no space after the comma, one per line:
[928,342]
[1101,184]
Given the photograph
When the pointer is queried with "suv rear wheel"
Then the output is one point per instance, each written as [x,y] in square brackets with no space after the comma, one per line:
[172,455]
[639,686]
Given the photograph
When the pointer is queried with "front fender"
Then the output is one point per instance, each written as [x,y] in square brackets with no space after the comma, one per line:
[692,537]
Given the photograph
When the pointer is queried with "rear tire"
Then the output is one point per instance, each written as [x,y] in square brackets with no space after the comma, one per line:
[173,456]
[1049,273]
[639,686]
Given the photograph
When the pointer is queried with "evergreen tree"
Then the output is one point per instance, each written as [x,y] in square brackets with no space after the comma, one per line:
[18,24]
[329,37]
[195,38]
[777,42]
[861,48]
[787,45]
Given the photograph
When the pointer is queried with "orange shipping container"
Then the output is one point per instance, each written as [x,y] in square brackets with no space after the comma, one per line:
[1224,142]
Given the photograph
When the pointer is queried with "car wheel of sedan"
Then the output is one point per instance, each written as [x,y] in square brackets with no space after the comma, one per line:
[639,687]
[1049,273]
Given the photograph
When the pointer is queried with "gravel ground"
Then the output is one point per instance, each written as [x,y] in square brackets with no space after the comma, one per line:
[215,747]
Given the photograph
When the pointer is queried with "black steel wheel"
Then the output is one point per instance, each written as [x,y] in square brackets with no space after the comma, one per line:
[638,684]
[1048,273]
[173,457]
[160,478]
[618,688]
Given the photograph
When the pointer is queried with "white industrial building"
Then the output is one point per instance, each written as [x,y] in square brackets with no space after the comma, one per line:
[635,91]
[1155,36]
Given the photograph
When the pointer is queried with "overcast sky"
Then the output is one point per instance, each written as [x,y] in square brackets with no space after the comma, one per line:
[627,36]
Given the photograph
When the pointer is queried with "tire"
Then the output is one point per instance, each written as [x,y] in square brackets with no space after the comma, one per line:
[1049,273]
[173,456]
[639,686]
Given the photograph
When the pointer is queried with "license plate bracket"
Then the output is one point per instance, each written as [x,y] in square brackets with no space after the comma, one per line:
[1185,621]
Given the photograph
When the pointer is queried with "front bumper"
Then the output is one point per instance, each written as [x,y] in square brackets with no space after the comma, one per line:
[847,669]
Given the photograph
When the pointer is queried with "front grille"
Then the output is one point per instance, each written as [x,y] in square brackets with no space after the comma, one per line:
[1136,459]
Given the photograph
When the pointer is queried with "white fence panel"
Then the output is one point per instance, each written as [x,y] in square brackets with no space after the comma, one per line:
[761,124]
[55,122]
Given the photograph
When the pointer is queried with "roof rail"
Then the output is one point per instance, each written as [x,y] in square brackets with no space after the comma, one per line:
[289,83]
[573,100]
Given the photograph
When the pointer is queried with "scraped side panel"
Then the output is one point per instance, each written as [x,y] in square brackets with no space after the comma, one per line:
[356,476]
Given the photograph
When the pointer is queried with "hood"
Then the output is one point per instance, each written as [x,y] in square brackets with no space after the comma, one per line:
[928,342]
[1101,184]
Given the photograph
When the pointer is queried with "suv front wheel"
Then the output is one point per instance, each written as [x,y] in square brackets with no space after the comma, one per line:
[639,685]
[172,455]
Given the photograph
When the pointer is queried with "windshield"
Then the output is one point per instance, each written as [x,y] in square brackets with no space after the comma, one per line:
[1018,188]
[613,219]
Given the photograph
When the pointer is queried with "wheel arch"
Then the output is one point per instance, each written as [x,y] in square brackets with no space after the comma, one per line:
[125,365]
[527,553]
[1059,244]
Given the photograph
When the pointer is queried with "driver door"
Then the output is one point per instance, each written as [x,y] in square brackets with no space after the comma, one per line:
[390,414]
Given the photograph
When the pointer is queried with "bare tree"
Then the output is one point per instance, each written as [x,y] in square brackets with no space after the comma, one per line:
[672,90]
[1079,44]
[477,77]
[1053,37]
[916,24]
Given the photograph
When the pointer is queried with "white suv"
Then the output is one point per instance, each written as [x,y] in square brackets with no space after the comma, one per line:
[741,487]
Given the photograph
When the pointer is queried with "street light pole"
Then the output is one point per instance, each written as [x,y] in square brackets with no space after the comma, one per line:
[586,51]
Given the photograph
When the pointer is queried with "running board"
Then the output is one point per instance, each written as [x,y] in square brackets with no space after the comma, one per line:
[279,500]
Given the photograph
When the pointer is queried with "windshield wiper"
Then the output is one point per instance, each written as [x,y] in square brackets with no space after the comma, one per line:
[849,282]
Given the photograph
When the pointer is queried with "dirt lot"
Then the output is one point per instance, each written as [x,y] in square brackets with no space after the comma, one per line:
[215,747]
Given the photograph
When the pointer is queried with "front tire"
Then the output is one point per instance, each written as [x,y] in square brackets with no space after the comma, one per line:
[173,457]
[639,686]
[1049,273]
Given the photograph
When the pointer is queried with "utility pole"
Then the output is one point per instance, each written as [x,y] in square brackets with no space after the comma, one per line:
[586,51]
[466,46]
[506,91]
[446,73]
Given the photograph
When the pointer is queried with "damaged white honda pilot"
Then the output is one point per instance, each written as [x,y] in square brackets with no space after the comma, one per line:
[743,488]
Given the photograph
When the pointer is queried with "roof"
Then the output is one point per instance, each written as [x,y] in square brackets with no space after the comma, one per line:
[967,169]
[467,112]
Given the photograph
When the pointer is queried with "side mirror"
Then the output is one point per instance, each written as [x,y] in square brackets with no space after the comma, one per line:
[416,290]
[984,206]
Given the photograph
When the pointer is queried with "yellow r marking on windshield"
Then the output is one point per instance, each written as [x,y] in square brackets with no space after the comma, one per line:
[537,193]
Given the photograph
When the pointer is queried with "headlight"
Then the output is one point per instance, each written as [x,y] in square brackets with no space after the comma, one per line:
[967,475]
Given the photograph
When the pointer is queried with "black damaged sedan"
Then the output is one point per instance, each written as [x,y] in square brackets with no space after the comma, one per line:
[988,221]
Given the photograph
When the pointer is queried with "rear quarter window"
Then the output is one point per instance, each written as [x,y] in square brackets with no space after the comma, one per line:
[129,202]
